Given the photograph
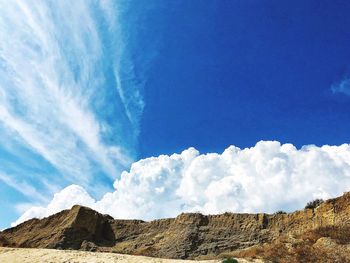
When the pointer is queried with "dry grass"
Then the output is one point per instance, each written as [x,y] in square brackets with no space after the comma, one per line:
[307,247]
[340,234]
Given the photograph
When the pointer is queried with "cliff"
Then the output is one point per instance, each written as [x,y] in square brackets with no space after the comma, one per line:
[189,235]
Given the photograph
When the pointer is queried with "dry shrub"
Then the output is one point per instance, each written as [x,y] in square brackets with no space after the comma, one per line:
[340,234]
[313,204]
[251,252]
[301,249]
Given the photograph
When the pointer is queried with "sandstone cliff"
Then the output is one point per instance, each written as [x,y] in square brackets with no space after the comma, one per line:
[189,235]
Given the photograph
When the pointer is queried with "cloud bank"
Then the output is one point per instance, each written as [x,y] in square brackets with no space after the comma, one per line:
[265,178]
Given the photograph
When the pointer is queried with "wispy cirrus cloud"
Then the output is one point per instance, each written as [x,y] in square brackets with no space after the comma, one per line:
[342,86]
[61,91]
[22,187]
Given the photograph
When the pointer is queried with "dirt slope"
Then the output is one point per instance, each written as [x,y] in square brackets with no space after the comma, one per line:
[186,236]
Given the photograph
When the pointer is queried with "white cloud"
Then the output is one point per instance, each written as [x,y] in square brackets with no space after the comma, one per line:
[22,187]
[58,89]
[69,196]
[342,87]
[263,178]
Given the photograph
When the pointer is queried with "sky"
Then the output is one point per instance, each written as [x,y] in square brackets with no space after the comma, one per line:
[146,110]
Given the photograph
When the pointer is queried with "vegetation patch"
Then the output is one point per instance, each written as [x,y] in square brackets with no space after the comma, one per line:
[230,260]
[313,204]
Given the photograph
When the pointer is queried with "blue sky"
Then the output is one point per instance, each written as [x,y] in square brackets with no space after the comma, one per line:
[241,71]
[87,90]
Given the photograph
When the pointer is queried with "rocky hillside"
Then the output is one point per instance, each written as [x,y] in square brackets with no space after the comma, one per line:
[186,236]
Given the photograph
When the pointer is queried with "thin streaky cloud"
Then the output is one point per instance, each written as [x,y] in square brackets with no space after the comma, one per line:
[55,95]
[23,187]
[342,87]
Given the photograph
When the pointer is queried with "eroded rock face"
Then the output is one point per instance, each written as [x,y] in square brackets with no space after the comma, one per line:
[64,230]
[186,236]
[4,242]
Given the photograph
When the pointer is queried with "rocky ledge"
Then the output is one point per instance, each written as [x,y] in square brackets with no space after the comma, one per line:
[189,235]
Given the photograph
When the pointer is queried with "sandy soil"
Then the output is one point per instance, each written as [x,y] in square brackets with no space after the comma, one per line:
[28,255]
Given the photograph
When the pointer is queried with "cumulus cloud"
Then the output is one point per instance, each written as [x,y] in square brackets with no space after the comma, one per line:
[69,196]
[267,177]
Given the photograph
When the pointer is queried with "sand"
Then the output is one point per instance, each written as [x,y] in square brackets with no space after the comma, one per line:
[32,255]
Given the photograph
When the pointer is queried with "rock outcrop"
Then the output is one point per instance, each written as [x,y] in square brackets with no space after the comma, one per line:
[189,235]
